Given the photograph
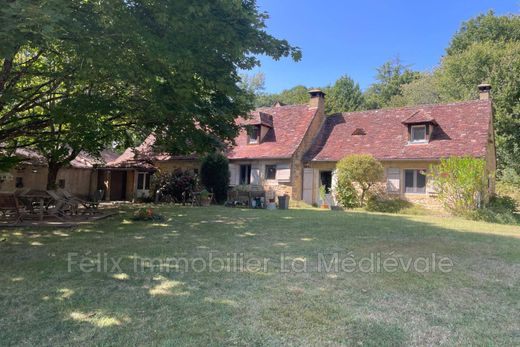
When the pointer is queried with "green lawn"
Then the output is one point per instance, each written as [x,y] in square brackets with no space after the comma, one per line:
[477,303]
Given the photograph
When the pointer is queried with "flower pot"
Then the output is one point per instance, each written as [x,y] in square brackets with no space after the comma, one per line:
[324,206]
[205,201]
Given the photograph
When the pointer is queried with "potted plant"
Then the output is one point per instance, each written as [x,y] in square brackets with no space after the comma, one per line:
[323,196]
[205,198]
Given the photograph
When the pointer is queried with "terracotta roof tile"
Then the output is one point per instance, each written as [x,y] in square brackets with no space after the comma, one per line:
[420,116]
[144,155]
[259,118]
[462,130]
[289,125]
[82,161]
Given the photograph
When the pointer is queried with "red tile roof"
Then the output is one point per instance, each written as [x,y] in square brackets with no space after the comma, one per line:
[289,125]
[140,156]
[82,161]
[259,118]
[144,155]
[420,116]
[462,130]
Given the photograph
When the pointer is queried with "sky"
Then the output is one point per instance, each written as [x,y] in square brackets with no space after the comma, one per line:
[340,37]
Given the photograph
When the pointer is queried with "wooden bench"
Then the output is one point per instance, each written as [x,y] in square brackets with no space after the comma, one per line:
[9,207]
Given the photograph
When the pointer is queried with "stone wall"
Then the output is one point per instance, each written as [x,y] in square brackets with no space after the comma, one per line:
[305,144]
[428,199]
[80,182]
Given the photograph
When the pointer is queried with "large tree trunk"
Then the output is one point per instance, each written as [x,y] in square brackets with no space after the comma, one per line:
[52,175]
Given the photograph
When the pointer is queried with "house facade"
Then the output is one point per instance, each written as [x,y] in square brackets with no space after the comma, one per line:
[293,150]
[80,176]
[407,141]
[269,149]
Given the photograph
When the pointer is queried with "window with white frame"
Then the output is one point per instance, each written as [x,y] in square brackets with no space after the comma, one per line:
[253,135]
[415,181]
[418,133]
[143,181]
[270,172]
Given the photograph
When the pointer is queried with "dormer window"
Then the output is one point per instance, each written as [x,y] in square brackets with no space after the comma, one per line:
[420,126]
[418,134]
[253,135]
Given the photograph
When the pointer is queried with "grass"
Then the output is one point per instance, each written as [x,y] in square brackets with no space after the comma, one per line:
[477,303]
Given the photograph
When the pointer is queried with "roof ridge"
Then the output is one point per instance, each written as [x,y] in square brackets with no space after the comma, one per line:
[414,107]
[283,106]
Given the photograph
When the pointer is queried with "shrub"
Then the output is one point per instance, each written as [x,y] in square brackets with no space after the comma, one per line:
[346,194]
[377,203]
[492,216]
[502,204]
[361,169]
[510,177]
[146,214]
[509,189]
[174,185]
[460,183]
[214,175]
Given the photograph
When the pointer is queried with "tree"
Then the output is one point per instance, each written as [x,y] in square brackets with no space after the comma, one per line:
[344,96]
[499,65]
[421,91]
[294,96]
[163,66]
[386,92]
[486,49]
[362,170]
[254,84]
[214,175]
[485,28]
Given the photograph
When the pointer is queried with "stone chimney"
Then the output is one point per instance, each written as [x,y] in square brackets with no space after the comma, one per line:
[484,91]
[317,98]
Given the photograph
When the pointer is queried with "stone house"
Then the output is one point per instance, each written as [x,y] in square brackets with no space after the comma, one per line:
[80,176]
[293,149]
[268,151]
[407,141]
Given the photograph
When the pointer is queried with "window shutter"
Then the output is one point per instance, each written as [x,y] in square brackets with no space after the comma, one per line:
[393,180]
[233,174]
[283,173]
[255,175]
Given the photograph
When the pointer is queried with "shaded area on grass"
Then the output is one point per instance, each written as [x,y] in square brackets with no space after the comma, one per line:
[45,304]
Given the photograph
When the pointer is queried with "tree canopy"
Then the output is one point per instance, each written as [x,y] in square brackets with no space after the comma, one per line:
[117,66]
[294,96]
[485,28]
[344,96]
[386,91]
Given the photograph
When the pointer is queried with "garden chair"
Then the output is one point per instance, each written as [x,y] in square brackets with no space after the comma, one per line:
[90,206]
[9,207]
[60,206]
